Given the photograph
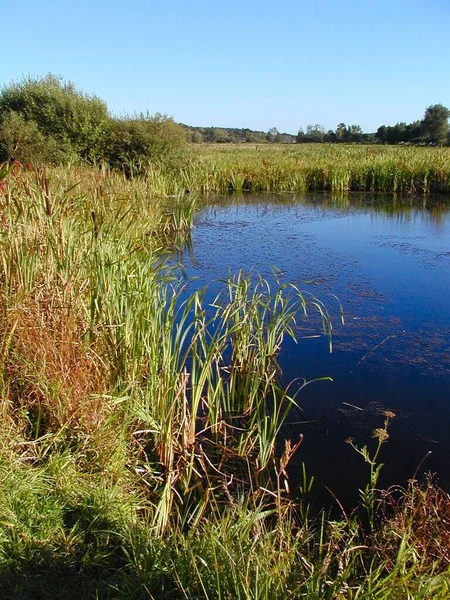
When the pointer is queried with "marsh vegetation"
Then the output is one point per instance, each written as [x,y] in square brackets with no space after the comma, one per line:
[141,453]
[143,447]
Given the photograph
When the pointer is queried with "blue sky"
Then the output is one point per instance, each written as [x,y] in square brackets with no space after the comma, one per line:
[247,63]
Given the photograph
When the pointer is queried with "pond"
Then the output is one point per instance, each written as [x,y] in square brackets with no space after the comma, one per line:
[388,262]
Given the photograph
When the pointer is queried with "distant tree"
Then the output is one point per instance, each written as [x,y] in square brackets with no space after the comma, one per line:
[433,128]
[287,138]
[195,136]
[300,138]
[369,138]
[399,133]
[250,136]
[341,132]
[435,124]
[381,134]
[273,135]
[396,134]
[221,135]
[226,134]
[315,133]
[415,131]
[330,136]
[355,133]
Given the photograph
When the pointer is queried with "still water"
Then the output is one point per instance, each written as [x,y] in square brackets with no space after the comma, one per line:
[388,262]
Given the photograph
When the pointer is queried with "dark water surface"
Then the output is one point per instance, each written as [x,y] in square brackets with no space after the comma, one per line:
[388,261]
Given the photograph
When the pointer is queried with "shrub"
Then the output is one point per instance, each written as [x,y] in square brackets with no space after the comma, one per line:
[22,140]
[70,119]
[49,120]
[133,143]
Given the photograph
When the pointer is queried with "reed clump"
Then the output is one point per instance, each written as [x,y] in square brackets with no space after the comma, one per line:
[141,447]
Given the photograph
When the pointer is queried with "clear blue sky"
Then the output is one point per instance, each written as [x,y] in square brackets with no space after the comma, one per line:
[246,63]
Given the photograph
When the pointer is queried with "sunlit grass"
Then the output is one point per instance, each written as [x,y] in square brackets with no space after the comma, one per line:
[337,168]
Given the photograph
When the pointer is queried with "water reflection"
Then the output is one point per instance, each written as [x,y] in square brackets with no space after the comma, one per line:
[388,261]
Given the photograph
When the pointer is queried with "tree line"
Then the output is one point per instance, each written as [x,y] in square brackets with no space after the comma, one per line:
[432,129]
[235,135]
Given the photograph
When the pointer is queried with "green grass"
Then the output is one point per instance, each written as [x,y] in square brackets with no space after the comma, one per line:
[322,167]
[141,453]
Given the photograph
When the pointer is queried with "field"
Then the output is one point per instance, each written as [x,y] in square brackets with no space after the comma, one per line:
[297,168]
[140,454]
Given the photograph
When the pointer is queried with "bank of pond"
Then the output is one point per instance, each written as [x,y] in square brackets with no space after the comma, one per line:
[166,395]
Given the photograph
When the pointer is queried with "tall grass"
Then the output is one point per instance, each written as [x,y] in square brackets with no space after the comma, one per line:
[142,453]
[290,168]
[405,170]
[224,168]
[95,328]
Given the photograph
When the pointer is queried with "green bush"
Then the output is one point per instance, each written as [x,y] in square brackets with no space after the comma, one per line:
[22,140]
[132,144]
[70,120]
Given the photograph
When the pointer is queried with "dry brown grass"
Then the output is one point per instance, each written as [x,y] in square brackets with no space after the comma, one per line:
[54,381]
[419,518]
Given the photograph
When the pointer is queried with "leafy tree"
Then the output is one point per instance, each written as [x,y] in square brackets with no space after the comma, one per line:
[77,121]
[435,124]
[216,135]
[381,134]
[433,128]
[195,136]
[315,133]
[341,132]
[415,131]
[330,136]
[273,135]
[355,133]
[300,138]
[396,134]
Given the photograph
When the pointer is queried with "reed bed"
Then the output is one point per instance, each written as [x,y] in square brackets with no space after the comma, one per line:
[142,450]
[336,168]
[223,168]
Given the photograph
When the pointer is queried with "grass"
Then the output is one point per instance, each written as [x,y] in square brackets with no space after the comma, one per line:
[141,447]
[223,168]
[299,168]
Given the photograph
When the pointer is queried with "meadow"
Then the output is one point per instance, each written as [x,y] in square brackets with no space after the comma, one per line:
[141,446]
